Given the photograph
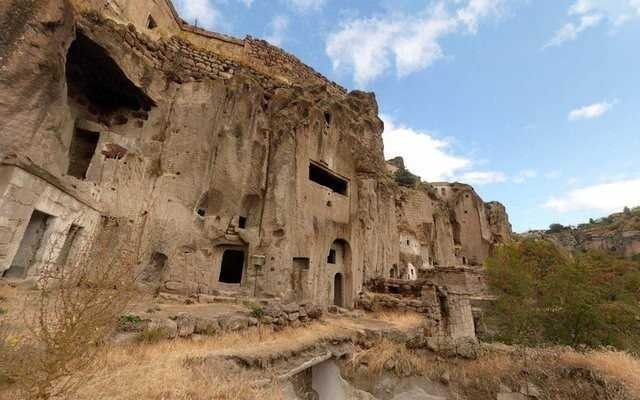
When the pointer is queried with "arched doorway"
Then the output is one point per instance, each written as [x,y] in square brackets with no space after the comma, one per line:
[338,295]
[339,276]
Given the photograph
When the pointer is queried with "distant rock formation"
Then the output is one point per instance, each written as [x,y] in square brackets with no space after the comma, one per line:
[618,233]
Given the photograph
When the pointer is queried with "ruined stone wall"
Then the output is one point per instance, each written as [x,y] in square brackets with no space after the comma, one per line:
[263,56]
[21,193]
[254,53]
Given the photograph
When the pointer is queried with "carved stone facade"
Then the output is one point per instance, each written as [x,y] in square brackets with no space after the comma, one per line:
[250,171]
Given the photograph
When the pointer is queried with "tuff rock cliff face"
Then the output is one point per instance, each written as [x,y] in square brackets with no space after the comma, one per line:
[243,168]
[618,233]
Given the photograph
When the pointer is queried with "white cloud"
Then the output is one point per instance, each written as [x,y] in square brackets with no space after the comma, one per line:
[370,46]
[587,14]
[552,175]
[431,158]
[476,10]
[525,175]
[591,111]
[306,5]
[607,197]
[482,177]
[203,12]
[571,30]
[278,29]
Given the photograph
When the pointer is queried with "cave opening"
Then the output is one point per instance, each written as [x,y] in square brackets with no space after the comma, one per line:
[151,23]
[232,266]
[94,76]
[328,179]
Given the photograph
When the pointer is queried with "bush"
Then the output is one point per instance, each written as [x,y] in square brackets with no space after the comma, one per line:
[129,323]
[405,178]
[257,313]
[76,307]
[556,228]
[545,297]
[150,336]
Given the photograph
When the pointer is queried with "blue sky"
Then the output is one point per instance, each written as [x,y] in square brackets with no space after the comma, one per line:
[534,102]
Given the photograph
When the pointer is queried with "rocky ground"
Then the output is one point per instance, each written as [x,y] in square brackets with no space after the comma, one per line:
[258,349]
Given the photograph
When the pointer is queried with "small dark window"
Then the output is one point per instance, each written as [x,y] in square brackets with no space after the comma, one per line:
[301,263]
[331,259]
[327,117]
[151,23]
[83,146]
[408,242]
[202,212]
[327,179]
[242,222]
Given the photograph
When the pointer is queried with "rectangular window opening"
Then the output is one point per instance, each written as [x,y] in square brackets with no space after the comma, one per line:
[29,246]
[327,179]
[301,263]
[83,146]
[242,222]
[331,259]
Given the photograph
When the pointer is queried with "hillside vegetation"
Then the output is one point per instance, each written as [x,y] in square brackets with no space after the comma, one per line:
[545,296]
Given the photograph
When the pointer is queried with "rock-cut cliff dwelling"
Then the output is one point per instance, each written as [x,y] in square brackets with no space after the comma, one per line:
[241,170]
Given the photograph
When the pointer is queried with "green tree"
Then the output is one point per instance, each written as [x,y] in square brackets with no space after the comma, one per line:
[405,178]
[556,228]
[544,296]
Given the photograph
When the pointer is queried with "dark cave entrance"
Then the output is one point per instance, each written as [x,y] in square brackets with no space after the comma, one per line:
[96,80]
[232,266]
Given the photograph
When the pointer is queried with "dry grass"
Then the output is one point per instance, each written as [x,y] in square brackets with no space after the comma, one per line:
[165,370]
[387,356]
[614,365]
[558,373]
[401,320]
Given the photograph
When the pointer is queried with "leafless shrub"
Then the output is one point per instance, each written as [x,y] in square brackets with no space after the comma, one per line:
[76,306]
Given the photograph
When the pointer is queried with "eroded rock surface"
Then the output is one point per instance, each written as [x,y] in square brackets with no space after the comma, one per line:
[240,168]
